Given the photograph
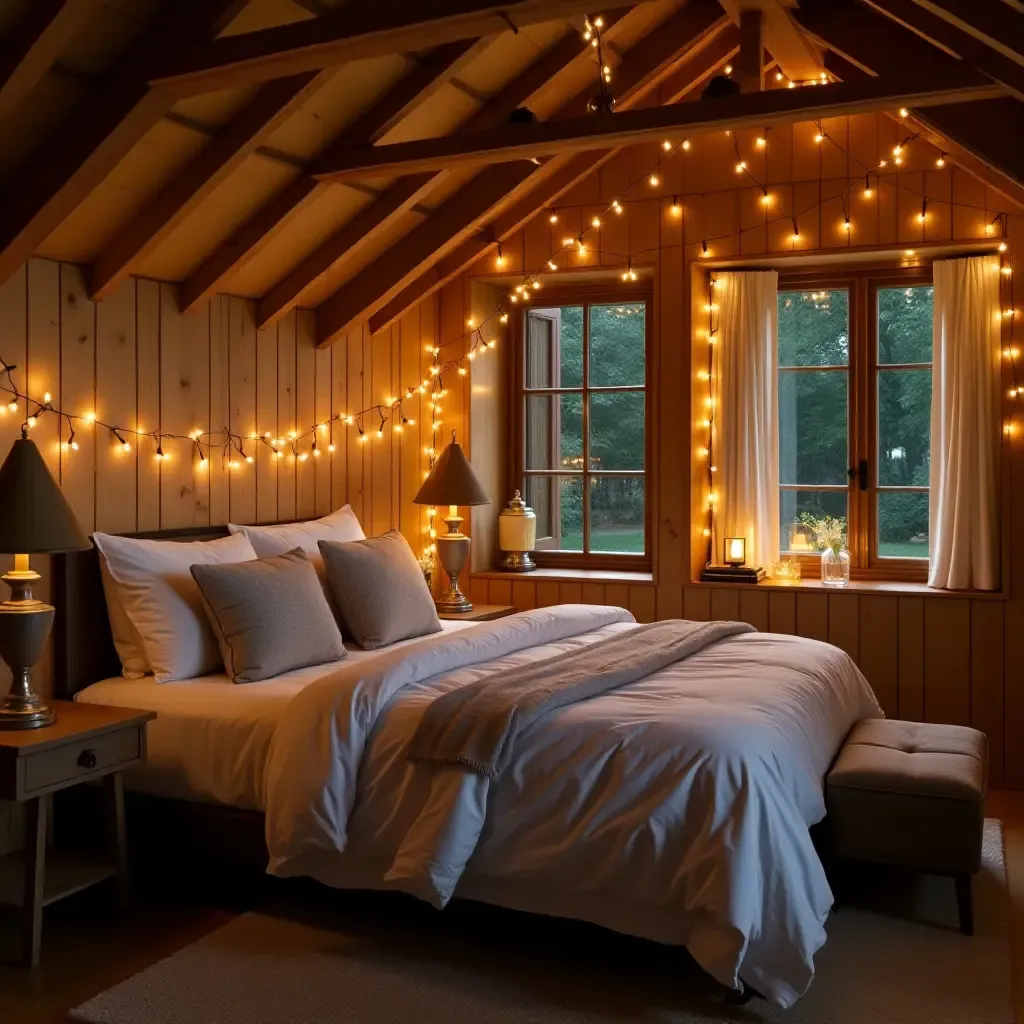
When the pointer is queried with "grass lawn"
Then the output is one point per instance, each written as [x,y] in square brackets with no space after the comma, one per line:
[905,550]
[606,541]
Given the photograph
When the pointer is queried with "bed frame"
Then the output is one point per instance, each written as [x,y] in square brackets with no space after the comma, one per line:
[84,653]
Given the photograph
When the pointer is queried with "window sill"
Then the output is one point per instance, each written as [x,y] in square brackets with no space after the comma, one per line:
[570,575]
[898,587]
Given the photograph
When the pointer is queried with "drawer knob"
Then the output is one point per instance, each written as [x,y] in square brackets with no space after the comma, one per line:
[87,759]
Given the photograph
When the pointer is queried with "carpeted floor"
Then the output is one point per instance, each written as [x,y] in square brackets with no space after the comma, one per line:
[374,960]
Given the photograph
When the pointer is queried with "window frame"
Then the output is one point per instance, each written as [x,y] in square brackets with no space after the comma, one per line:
[587,296]
[862,283]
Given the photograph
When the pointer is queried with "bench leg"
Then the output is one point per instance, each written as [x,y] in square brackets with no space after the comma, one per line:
[965,902]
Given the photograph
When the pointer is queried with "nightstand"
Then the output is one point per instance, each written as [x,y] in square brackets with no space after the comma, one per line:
[480,613]
[88,742]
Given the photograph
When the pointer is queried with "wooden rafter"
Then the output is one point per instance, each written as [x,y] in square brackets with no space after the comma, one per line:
[410,190]
[36,46]
[793,52]
[274,102]
[468,212]
[997,25]
[985,133]
[684,81]
[357,32]
[87,148]
[945,34]
[528,141]
[425,77]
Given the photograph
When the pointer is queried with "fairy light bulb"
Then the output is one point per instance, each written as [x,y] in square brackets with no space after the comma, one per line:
[595,222]
[904,113]
[12,405]
[941,160]
[675,209]
[667,146]
[1002,248]
[686,144]
[727,69]
[741,166]
[503,319]
[552,265]
[653,180]
[31,421]
[1006,271]
[552,218]
[820,136]
[499,260]
[471,323]
[705,252]
[766,199]
[47,397]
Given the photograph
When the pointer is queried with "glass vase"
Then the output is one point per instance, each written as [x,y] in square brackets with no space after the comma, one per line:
[835,568]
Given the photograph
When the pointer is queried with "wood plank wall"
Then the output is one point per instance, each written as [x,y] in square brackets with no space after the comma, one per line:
[135,361]
[933,658]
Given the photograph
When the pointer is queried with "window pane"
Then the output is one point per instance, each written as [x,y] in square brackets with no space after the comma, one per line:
[554,347]
[814,328]
[558,503]
[905,325]
[617,430]
[812,427]
[617,515]
[904,427]
[554,431]
[617,354]
[903,524]
[801,513]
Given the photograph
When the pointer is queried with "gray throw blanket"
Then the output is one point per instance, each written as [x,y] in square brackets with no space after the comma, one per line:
[475,726]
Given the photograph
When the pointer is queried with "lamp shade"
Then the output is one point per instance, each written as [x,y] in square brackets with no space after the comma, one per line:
[452,481]
[34,517]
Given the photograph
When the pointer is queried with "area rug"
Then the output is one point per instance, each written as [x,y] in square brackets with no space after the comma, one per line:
[371,959]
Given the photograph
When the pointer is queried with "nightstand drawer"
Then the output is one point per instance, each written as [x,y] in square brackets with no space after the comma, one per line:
[76,760]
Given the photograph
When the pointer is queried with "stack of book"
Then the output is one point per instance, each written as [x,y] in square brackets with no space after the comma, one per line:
[732,574]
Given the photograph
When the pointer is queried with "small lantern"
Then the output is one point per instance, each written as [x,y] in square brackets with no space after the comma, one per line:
[517,536]
[801,538]
[735,550]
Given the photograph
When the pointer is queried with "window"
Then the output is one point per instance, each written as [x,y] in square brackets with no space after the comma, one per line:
[583,429]
[855,380]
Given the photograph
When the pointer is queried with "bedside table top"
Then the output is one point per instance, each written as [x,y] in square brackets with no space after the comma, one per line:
[480,613]
[74,722]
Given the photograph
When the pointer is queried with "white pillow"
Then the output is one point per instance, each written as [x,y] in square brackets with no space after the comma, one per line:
[162,601]
[126,641]
[270,541]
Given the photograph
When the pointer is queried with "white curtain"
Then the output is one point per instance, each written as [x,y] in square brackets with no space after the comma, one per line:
[964,512]
[745,390]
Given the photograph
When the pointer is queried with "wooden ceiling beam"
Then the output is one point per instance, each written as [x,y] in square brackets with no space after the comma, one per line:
[37,44]
[945,34]
[982,136]
[426,75]
[685,79]
[98,134]
[794,53]
[997,25]
[411,190]
[468,212]
[357,32]
[147,229]
[529,141]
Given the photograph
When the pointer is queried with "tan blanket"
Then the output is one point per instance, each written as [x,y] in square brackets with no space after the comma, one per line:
[475,726]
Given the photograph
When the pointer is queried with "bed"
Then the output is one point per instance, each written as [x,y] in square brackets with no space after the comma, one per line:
[676,809]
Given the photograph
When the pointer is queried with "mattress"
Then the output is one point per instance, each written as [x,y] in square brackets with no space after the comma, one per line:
[210,739]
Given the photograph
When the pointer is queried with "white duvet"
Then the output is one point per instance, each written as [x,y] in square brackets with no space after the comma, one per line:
[676,808]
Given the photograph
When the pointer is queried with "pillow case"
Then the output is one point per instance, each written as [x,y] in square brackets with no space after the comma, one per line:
[162,601]
[269,615]
[268,541]
[380,590]
[126,641]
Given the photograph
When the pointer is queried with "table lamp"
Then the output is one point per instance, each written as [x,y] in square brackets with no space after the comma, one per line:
[34,519]
[452,482]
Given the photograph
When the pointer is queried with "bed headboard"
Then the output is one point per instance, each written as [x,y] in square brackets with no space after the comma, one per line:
[83,648]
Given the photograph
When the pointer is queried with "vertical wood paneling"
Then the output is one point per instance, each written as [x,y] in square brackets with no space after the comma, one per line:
[267,464]
[987,710]
[219,406]
[322,412]
[524,594]
[570,593]
[725,603]
[547,593]
[242,391]
[697,603]
[499,592]
[77,394]
[305,414]
[42,359]
[147,403]
[754,608]
[642,602]
[911,658]
[616,594]
[947,661]
[782,612]
[879,652]
[812,615]
[844,623]
[287,427]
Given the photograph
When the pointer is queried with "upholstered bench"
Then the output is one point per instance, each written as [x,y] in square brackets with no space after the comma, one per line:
[911,793]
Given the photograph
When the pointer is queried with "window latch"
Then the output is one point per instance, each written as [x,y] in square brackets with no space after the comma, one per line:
[860,474]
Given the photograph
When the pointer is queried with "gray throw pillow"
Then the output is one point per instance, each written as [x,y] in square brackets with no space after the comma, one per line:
[379,589]
[269,615]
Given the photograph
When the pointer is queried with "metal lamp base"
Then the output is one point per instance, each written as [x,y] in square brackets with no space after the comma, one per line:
[517,561]
[453,599]
[24,626]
